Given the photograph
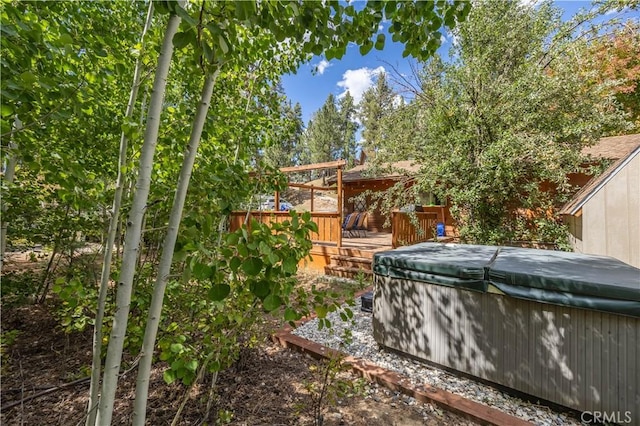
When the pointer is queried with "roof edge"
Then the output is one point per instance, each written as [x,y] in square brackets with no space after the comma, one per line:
[584,196]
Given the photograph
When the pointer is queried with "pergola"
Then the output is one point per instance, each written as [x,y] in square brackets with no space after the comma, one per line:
[338,165]
[329,223]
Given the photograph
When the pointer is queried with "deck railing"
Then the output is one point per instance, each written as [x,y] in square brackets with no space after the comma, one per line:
[405,233]
[328,222]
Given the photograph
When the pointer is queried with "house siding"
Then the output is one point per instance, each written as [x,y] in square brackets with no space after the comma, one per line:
[574,223]
[611,217]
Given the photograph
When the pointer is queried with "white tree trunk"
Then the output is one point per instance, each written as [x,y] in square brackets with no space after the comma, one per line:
[134,229]
[9,174]
[96,364]
[155,309]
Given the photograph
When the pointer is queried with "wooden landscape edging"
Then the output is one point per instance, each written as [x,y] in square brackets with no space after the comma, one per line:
[472,410]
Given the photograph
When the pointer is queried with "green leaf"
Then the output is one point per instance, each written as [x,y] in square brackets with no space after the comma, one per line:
[235,263]
[271,302]
[214,366]
[208,52]
[185,15]
[7,110]
[380,42]
[273,258]
[176,366]
[260,288]
[129,128]
[28,77]
[321,311]
[224,45]
[264,248]
[201,271]
[188,378]
[289,265]
[219,291]
[252,266]
[179,256]
[366,47]
[191,365]
[176,348]
[182,39]
[330,54]
[169,376]
[65,39]
[232,239]
[390,7]
[317,49]
[290,315]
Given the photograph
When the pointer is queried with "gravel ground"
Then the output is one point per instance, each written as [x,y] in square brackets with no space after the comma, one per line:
[362,345]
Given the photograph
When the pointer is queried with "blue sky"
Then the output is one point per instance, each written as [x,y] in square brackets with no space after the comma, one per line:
[356,73]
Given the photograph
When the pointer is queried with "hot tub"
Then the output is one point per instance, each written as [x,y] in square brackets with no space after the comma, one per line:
[561,327]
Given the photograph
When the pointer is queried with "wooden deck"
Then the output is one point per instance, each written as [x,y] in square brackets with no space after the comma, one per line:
[335,249]
[325,253]
[374,241]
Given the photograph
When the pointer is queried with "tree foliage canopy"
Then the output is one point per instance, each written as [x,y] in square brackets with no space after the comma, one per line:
[376,105]
[498,127]
[65,86]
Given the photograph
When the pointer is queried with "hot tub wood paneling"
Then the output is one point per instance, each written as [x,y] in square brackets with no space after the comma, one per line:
[583,359]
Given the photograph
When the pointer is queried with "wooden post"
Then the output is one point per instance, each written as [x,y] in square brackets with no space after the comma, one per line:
[394,229]
[276,201]
[311,199]
[340,209]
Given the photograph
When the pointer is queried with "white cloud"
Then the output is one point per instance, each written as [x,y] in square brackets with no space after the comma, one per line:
[398,100]
[620,11]
[530,3]
[322,66]
[358,81]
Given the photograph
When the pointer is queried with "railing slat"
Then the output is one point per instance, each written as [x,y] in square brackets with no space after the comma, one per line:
[405,233]
[325,221]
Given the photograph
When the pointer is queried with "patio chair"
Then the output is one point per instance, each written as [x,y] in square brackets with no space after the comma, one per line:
[359,226]
[349,224]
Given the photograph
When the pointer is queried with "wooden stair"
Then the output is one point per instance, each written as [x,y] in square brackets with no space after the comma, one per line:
[350,266]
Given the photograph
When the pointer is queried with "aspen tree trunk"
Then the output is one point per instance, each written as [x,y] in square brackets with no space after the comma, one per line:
[96,364]
[134,229]
[9,174]
[164,268]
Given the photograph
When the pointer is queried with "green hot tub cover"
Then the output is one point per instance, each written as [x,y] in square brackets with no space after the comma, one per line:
[570,279]
[458,265]
[573,279]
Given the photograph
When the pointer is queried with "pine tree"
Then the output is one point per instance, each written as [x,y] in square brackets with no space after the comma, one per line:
[324,134]
[287,149]
[376,104]
[348,128]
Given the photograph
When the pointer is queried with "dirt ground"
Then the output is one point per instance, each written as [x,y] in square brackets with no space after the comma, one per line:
[44,373]
[268,386]
[323,201]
